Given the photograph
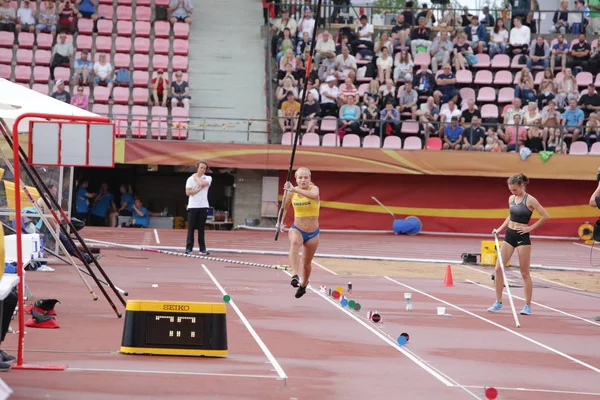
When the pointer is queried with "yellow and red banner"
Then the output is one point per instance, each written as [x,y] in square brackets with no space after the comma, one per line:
[360,160]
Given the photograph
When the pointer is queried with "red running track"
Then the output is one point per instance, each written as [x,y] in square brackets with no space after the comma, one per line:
[323,350]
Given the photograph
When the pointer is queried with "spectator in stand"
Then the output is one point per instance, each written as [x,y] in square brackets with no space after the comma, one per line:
[525,86]
[477,35]
[547,89]
[550,120]
[345,65]
[407,100]
[566,89]
[469,114]
[388,92]
[560,51]
[532,115]
[62,53]
[103,72]
[87,9]
[446,89]
[372,93]
[370,117]
[349,117]
[390,119]
[306,24]
[403,66]
[288,72]
[572,119]
[577,19]
[83,67]
[384,65]
[594,6]
[284,43]
[180,11]
[401,33]
[463,53]
[180,92]
[8,17]
[288,114]
[514,135]
[310,86]
[449,112]
[329,94]
[440,51]
[474,136]
[140,216]
[47,19]
[498,39]
[349,90]
[427,13]
[466,17]
[428,114]
[383,41]
[590,102]
[160,88]
[284,90]
[364,31]
[310,112]
[561,19]
[25,17]
[80,99]
[592,129]
[61,94]
[520,9]
[126,209]
[509,115]
[486,18]
[539,54]
[324,48]
[580,54]
[535,141]
[420,37]
[453,135]
[424,82]
[328,66]
[278,26]
[66,17]
[520,37]
[408,13]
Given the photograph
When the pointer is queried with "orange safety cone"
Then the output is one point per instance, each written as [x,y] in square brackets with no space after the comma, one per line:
[448,281]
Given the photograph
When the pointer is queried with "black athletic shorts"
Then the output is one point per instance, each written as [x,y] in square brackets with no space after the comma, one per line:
[515,239]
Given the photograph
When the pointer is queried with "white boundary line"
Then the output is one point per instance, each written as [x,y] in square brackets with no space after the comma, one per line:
[586,246]
[410,355]
[538,390]
[557,352]
[541,305]
[257,338]
[324,267]
[136,371]
[156,236]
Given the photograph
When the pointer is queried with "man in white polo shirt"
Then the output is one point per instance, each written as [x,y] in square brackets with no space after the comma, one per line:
[196,188]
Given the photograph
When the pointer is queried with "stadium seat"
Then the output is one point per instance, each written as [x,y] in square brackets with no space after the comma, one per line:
[161,3]
[516,63]
[142,28]
[159,129]
[539,77]
[41,88]
[139,129]
[140,96]
[120,95]
[464,77]
[434,143]
[578,149]
[121,61]
[162,29]
[143,13]
[180,63]
[422,59]
[351,140]
[181,30]
[506,95]
[597,82]
[409,128]
[106,11]
[371,142]
[489,111]
[105,27]
[5,71]
[121,127]
[26,40]
[182,46]
[85,26]
[124,13]
[392,142]
[124,28]
[179,131]
[120,111]
[500,61]
[595,150]
[139,112]
[159,112]
[311,139]
[141,45]
[467,93]
[140,78]
[412,143]
[101,109]
[179,114]
[123,45]
[160,62]
[286,138]
[103,44]
[41,74]
[62,73]
[483,77]
[143,2]
[42,57]
[329,124]
[101,94]
[330,140]
[486,95]
[141,61]
[503,77]
[7,39]
[161,46]
[83,42]
[6,55]
[483,61]
[584,79]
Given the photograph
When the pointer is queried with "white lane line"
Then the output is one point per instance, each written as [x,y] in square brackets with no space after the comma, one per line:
[557,352]
[141,371]
[325,268]
[410,355]
[542,305]
[536,390]
[156,237]
[257,338]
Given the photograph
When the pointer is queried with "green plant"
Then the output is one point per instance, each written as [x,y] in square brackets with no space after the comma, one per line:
[381,6]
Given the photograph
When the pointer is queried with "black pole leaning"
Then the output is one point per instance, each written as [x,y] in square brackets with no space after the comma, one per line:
[300,116]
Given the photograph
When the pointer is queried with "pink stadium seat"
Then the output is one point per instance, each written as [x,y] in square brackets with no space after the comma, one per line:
[26,40]
[361,89]
[489,111]
[103,44]
[371,142]
[126,2]
[124,28]
[182,47]
[142,45]
[106,2]
[120,111]
[121,61]
[143,13]
[486,95]
[506,95]
[351,140]
[7,39]
[360,60]
[139,129]
[101,109]
[161,46]
[5,71]
[83,42]
[140,78]
[467,93]
[594,45]
[515,63]
[6,55]
[517,77]
[40,74]
[413,143]
[503,77]
[179,114]
[597,83]
[410,127]
[181,30]
[159,129]
[63,73]
[124,13]
[464,77]
[483,77]
[106,11]
[85,26]
[501,61]
[161,3]
[584,79]
[140,112]
[141,61]
[434,143]
[121,127]
[142,28]
[179,131]
[101,94]
[143,2]
[180,63]
[123,45]
[286,139]
[105,27]
[595,149]
[43,57]
[120,95]
[578,149]
[422,58]
[158,112]
[160,62]
[392,142]
[162,29]
[539,77]
[483,60]
[140,96]
[41,88]
[330,140]
[328,124]
[311,139]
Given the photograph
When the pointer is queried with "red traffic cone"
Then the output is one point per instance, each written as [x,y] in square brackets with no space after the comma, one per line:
[448,281]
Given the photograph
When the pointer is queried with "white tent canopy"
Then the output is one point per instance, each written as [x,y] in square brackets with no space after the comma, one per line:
[16,100]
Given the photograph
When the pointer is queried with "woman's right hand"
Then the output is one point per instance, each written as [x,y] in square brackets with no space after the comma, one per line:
[496,231]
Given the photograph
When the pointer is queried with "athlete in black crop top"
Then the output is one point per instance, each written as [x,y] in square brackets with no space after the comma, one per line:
[521,207]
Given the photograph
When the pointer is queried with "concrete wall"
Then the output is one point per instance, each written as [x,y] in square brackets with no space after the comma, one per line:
[248,196]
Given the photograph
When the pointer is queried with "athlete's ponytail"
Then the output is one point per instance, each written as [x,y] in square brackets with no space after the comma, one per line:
[518,179]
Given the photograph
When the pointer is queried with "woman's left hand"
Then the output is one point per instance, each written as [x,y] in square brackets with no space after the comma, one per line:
[524,229]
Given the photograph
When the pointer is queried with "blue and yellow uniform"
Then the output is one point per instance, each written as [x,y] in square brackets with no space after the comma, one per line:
[305,207]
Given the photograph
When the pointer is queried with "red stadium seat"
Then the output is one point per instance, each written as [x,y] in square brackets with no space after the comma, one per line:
[142,45]
[351,140]
[7,39]
[41,88]
[5,71]
[26,40]
[85,26]
[179,114]
[180,63]
[120,95]
[578,148]
[139,112]
[140,78]
[584,79]
[120,111]
[143,13]
[422,59]
[143,2]
[103,44]
[105,27]
[6,55]
[121,127]
[124,13]
[329,124]
[159,112]
[141,61]
[101,94]
[62,73]
[83,42]
[410,127]
[101,109]
[140,96]
[142,28]
[139,129]
[181,30]
[162,29]
[159,129]
[124,28]
[160,62]
[287,139]
[161,3]
[161,46]
[40,74]
[434,143]
[179,131]
[43,57]
[122,61]
[106,11]
[123,45]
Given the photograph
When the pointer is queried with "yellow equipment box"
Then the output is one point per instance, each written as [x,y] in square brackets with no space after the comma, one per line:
[489,255]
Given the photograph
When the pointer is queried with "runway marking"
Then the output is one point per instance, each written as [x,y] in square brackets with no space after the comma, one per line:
[542,305]
[141,371]
[325,268]
[537,390]
[522,336]
[257,338]
[156,236]
[586,246]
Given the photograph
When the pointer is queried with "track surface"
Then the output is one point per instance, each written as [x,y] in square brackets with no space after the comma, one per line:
[323,350]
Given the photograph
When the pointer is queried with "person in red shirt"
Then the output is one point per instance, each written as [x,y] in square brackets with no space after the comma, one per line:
[159,85]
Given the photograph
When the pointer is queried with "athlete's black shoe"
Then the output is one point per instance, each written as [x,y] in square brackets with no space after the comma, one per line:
[295,281]
[300,292]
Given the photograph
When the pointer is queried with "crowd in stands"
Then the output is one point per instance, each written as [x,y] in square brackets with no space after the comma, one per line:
[465,82]
[111,58]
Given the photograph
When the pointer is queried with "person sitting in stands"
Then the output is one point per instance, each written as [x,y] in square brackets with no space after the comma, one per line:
[140,218]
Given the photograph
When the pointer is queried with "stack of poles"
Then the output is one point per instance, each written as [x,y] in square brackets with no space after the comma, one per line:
[300,116]
[21,157]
